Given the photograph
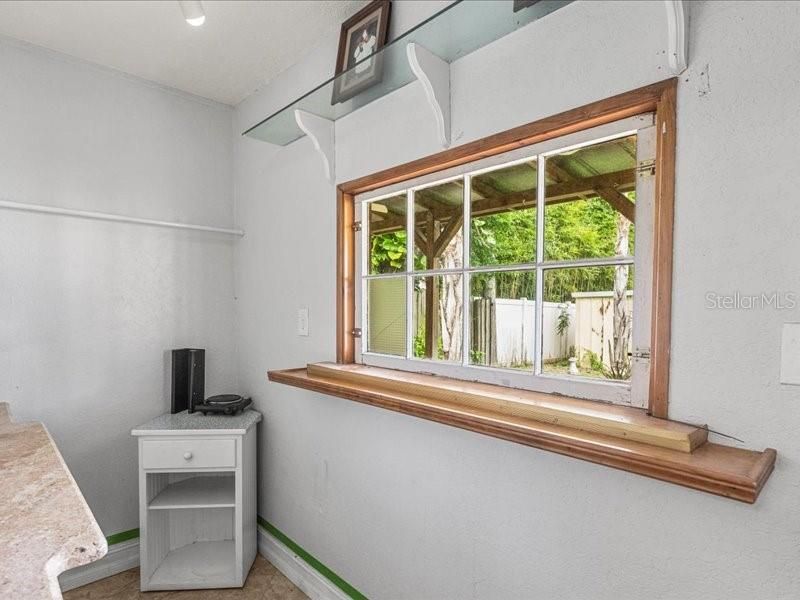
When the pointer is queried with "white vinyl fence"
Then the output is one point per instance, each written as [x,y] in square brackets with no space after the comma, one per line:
[514,330]
[502,328]
[591,326]
[594,322]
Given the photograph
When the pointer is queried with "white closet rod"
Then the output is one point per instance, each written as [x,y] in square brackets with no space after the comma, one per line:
[86,214]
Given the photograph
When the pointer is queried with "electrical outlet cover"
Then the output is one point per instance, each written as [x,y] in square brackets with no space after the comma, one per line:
[790,354]
[302,321]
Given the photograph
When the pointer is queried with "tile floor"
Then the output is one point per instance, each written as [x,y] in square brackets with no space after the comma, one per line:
[265,582]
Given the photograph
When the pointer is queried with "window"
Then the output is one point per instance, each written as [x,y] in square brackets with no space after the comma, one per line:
[547,288]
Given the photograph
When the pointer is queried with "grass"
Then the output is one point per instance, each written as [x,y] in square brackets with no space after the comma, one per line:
[561,367]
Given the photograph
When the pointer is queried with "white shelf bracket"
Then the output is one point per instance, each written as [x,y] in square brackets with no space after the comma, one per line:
[321,132]
[434,74]
[678,35]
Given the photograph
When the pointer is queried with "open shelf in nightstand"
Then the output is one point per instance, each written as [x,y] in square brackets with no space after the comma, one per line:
[201,491]
[210,564]
[191,529]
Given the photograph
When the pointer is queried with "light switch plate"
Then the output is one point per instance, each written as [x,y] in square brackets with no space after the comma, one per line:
[302,321]
[790,354]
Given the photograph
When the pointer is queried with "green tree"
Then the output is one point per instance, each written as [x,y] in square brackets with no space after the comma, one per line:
[580,229]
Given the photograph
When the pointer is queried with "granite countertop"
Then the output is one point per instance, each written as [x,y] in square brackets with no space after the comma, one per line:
[46,526]
[199,424]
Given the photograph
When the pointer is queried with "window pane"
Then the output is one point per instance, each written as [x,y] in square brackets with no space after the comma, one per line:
[438,226]
[588,314]
[386,314]
[387,235]
[438,317]
[503,220]
[590,196]
[502,309]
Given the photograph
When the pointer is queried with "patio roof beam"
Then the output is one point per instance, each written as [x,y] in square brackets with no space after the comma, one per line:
[620,181]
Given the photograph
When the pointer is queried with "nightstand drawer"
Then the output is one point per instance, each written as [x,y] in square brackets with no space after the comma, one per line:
[188,454]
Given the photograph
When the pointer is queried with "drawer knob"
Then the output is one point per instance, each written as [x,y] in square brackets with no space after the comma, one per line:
[187,456]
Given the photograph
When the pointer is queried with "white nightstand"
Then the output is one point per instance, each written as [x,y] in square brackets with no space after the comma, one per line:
[197,500]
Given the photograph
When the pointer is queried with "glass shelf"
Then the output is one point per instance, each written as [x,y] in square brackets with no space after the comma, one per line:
[452,33]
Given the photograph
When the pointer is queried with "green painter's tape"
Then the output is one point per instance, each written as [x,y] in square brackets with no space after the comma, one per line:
[313,562]
[122,536]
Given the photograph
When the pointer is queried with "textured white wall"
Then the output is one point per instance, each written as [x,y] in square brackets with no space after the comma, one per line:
[88,308]
[404,508]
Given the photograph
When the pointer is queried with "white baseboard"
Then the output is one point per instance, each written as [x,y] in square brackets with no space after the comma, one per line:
[120,557]
[298,571]
[125,555]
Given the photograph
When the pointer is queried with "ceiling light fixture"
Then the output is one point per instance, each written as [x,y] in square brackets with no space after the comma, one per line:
[193,12]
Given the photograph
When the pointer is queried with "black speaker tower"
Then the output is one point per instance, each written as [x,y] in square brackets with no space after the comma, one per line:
[188,378]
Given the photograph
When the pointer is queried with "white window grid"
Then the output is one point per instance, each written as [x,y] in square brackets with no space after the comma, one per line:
[504,375]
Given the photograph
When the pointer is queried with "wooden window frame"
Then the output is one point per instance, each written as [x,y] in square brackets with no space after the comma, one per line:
[658,98]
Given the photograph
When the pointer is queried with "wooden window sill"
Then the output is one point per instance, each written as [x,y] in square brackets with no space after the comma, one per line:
[615,436]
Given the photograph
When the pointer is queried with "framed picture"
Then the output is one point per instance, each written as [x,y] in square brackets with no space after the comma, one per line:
[362,36]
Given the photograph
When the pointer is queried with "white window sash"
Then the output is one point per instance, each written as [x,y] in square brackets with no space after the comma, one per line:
[619,392]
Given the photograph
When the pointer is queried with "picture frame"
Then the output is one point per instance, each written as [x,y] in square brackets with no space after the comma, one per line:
[362,36]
